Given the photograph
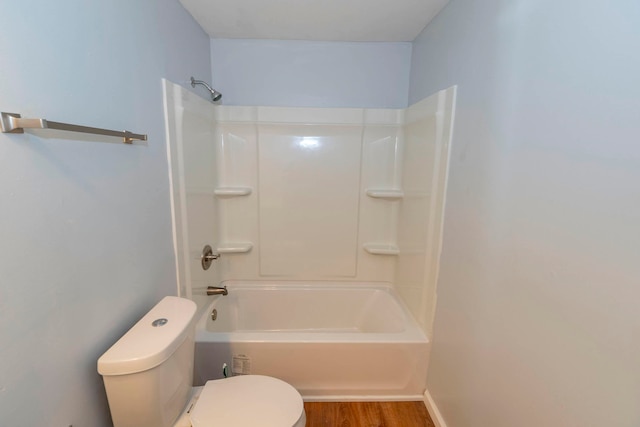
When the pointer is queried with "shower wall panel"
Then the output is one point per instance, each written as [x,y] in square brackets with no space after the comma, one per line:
[237,214]
[381,171]
[427,133]
[309,184]
[306,171]
[192,169]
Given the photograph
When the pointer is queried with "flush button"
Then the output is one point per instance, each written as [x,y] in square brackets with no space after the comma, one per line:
[159,322]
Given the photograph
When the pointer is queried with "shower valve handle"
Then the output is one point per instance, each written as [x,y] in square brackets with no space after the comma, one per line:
[208,257]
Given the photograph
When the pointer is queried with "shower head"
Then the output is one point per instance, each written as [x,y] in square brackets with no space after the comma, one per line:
[215,95]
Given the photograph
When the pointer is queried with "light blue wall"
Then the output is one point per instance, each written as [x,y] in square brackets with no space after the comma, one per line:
[311,74]
[537,319]
[85,226]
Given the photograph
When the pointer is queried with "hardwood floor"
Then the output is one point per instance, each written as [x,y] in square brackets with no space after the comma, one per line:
[367,414]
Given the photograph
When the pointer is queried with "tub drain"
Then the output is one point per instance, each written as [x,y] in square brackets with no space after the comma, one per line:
[214,314]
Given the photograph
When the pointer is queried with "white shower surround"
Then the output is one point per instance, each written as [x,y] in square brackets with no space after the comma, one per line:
[321,194]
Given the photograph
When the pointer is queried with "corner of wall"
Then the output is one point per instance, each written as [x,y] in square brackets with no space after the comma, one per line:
[433,410]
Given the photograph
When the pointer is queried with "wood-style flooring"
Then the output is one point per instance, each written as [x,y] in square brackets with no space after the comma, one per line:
[367,414]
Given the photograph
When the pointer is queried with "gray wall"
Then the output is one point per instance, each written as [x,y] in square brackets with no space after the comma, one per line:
[85,226]
[311,74]
[537,319]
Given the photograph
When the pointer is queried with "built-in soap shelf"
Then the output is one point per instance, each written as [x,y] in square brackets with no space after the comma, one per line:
[234,248]
[232,191]
[381,249]
[385,193]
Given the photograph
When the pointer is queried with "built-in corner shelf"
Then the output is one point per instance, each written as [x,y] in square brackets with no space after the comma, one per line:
[385,193]
[235,248]
[232,191]
[381,249]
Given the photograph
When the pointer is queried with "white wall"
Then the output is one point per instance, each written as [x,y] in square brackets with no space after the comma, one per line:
[537,319]
[311,74]
[85,226]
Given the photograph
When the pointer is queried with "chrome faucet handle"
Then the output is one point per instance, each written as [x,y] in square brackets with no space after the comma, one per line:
[208,257]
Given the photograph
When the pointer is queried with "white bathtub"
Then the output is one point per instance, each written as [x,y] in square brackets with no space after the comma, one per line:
[332,341]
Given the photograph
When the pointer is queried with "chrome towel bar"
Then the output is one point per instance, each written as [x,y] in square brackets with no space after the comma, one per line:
[14,123]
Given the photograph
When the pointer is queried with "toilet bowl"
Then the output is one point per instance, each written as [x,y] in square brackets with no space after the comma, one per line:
[148,375]
[248,400]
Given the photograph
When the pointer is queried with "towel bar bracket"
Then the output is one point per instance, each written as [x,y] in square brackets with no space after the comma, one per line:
[8,123]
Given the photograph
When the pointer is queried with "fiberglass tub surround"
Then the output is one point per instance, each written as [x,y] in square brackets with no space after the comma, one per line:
[330,197]
[336,341]
[310,194]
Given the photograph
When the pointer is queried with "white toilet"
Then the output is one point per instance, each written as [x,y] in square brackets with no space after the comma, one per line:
[148,375]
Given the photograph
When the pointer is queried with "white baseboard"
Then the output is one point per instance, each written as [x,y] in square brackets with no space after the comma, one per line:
[435,414]
[363,398]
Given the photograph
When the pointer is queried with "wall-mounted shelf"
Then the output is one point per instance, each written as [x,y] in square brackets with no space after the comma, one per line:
[232,191]
[385,193]
[381,249]
[235,248]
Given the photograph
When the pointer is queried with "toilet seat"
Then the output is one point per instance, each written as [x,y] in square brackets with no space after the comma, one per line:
[248,400]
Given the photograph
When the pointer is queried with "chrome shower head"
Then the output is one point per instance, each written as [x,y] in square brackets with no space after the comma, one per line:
[215,95]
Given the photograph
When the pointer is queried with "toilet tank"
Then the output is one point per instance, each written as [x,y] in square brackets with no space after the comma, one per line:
[148,373]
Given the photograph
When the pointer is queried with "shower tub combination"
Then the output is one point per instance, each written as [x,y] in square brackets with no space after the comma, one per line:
[332,341]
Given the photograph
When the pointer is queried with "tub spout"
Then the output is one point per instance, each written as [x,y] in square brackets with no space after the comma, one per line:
[216,290]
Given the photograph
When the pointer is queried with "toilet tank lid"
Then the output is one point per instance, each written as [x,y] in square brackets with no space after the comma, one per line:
[152,340]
